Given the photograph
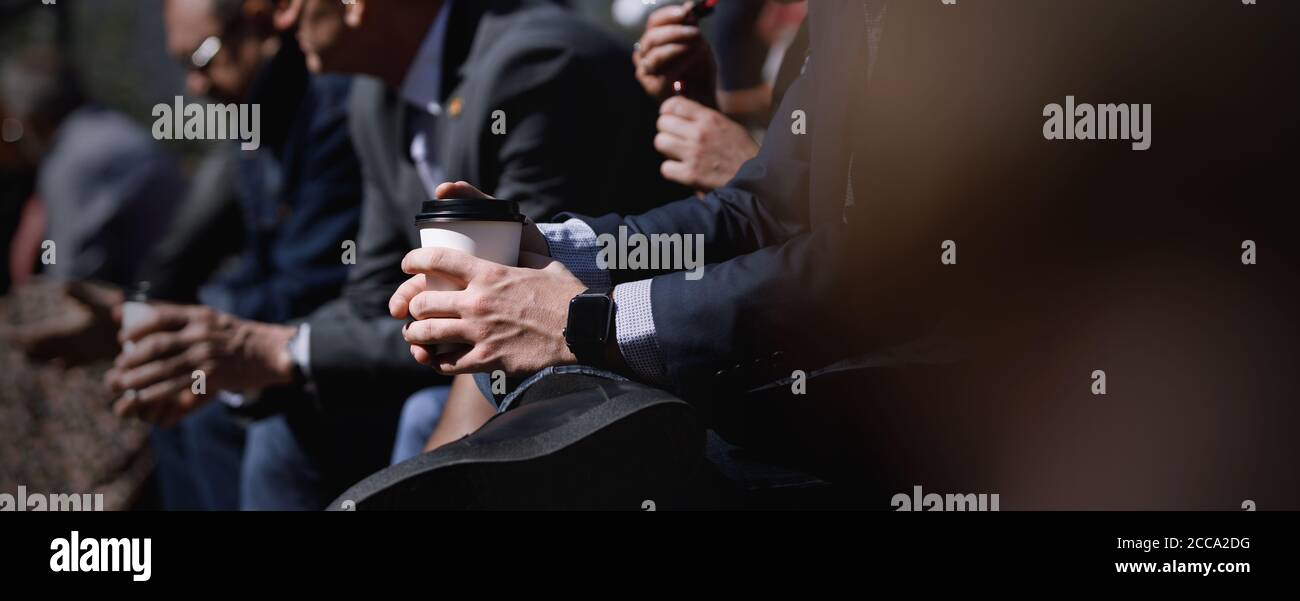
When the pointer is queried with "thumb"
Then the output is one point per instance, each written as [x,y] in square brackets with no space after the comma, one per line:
[286,14]
[450,190]
[94,295]
[683,107]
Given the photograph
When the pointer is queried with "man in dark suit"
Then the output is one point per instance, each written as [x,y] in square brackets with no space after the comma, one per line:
[522,95]
[299,195]
[569,112]
[833,287]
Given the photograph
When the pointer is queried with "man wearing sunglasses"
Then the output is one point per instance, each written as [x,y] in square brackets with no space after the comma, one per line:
[300,196]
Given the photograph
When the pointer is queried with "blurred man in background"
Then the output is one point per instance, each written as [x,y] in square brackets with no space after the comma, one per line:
[710,103]
[300,197]
[301,194]
[105,192]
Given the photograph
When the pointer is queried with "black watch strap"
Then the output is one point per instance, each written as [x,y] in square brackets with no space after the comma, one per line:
[590,326]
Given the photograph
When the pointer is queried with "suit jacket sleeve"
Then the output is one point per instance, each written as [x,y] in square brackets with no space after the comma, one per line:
[325,212]
[765,204]
[572,130]
[529,89]
[356,348]
[774,290]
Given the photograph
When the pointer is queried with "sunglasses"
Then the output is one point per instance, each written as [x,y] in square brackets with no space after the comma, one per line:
[202,57]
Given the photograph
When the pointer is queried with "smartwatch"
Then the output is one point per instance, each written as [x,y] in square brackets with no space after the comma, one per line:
[590,325]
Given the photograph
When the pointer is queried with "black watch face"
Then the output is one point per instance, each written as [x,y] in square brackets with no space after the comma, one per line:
[588,319]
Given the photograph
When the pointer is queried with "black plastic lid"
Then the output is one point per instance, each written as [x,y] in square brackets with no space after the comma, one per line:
[469,209]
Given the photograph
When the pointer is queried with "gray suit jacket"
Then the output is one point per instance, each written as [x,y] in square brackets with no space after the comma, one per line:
[578,127]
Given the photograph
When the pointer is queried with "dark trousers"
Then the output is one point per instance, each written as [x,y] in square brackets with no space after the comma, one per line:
[303,458]
[197,462]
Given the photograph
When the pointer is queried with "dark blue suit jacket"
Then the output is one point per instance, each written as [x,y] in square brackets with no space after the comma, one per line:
[300,192]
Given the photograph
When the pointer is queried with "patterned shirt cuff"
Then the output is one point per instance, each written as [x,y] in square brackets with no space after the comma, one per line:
[574,244]
[635,323]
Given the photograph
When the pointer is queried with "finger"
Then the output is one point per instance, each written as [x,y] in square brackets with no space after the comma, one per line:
[449,190]
[532,260]
[676,171]
[456,265]
[431,304]
[133,405]
[399,303]
[156,347]
[94,295]
[676,125]
[422,355]
[684,108]
[663,60]
[152,400]
[286,14]
[669,34]
[462,361]
[125,406]
[30,336]
[667,16]
[152,373]
[427,332]
[671,146]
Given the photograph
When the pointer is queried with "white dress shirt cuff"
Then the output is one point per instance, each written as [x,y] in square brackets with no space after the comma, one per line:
[637,339]
[300,349]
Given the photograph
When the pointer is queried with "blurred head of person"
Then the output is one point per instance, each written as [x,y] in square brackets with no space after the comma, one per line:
[221,44]
[372,37]
[38,90]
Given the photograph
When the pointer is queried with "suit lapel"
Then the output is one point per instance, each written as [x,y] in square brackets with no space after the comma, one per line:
[408,192]
[462,35]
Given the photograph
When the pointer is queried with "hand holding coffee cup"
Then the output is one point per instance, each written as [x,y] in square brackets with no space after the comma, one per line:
[509,318]
[496,315]
[486,228]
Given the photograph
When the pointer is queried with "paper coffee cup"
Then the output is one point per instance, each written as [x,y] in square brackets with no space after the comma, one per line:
[134,312]
[487,228]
